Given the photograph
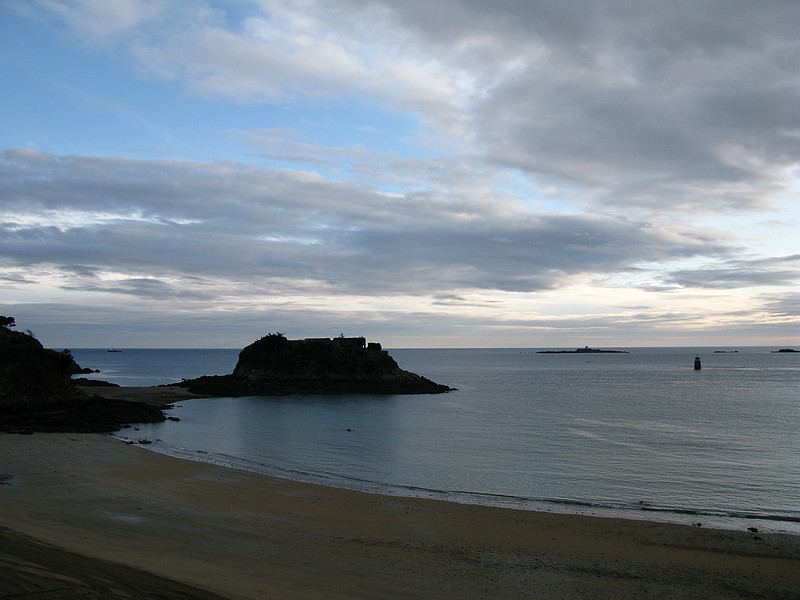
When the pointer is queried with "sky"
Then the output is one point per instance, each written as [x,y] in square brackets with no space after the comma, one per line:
[458,173]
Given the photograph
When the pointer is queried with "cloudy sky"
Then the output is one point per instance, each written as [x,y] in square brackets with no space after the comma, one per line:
[515,173]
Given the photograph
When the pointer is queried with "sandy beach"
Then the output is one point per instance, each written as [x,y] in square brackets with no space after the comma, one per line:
[89,516]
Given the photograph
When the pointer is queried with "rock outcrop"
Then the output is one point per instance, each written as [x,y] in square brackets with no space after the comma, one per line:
[584,350]
[32,376]
[275,366]
[37,392]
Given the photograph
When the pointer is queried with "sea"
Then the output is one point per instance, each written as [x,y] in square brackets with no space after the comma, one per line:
[637,434]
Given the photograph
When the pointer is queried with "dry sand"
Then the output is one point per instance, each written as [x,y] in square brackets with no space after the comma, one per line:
[88,516]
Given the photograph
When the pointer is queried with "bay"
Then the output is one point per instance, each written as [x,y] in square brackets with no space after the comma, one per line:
[640,434]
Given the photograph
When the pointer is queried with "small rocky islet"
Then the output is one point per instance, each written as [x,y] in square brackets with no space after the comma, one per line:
[584,350]
[277,366]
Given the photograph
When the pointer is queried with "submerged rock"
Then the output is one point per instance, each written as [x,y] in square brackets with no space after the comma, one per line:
[276,366]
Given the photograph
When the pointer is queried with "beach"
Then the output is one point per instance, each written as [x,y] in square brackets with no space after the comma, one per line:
[89,516]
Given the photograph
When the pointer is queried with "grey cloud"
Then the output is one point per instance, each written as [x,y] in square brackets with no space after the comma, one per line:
[527,255]
[783,305]
[16,278]
[662,106]
[651,104]
[242,223]
[460,301]
[83,271]
[644,115]
[780,272]
[142,287]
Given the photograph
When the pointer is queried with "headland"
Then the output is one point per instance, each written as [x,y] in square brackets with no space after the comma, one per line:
[37,392]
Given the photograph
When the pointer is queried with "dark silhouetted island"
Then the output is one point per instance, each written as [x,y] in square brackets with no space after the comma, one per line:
[584,350]
[784,350]
[276,366]
[37,393]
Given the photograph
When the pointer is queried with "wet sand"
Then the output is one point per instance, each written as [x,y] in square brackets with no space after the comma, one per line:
[88,516]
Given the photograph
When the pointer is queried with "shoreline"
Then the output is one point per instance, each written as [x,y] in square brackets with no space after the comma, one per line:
[101,506]
[167,395]
[709,518]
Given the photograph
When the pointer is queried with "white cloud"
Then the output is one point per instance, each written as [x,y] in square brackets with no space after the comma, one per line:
[240,223]
[100,20]
[646,105]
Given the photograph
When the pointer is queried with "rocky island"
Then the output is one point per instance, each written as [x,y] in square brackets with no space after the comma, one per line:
[276,366]
[584,350]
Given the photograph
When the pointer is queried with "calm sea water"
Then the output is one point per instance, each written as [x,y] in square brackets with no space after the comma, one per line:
[640,434]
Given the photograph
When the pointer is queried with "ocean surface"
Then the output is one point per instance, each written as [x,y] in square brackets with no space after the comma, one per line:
[640,435]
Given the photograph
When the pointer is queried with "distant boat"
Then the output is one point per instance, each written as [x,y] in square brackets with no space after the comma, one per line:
[113,350]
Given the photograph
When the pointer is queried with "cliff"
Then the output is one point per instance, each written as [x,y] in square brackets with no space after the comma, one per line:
[274,366]
[37,392]
[32,376]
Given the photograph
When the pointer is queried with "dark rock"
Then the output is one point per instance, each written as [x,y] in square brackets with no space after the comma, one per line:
[584,350]
[37,393]
[275,366]
[87,415]
[31,375]
[785,350]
